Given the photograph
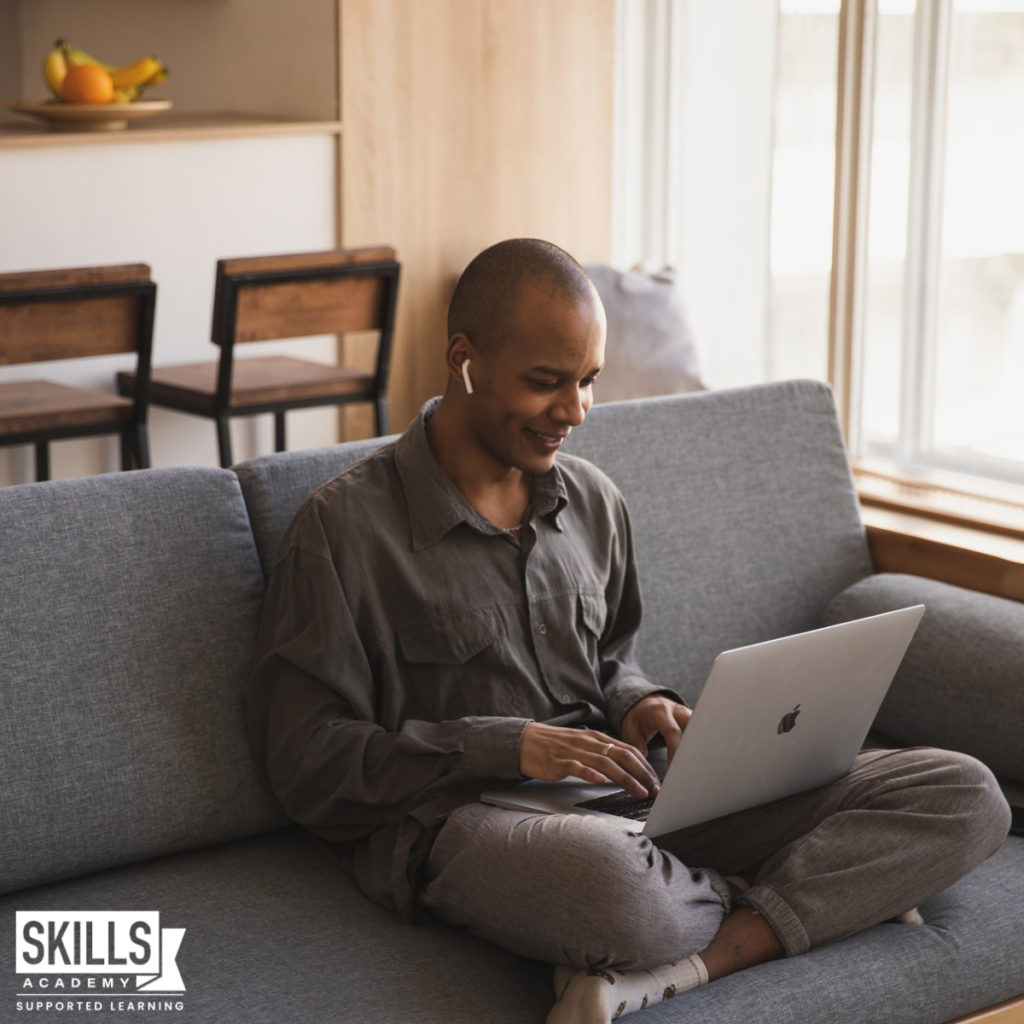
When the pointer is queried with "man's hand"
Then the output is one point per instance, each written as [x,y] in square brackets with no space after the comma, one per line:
[653,715]
[551,752]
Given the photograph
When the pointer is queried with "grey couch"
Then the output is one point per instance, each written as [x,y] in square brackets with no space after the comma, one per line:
[128,611]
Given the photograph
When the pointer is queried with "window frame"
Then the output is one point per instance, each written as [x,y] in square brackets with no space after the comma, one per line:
[911,478]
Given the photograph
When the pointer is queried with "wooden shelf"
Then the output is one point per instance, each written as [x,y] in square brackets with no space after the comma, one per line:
[164,128]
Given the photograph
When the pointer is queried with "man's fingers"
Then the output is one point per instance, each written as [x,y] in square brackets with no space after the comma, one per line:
[628,769]
[551,752]
[671,733]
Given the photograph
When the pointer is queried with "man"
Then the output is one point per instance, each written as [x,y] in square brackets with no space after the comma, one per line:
[461,607]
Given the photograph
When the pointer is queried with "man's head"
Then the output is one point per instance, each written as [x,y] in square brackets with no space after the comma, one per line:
[526,340]
[489,289]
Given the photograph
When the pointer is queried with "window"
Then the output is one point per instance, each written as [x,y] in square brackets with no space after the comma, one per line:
[891,249]
[943,330]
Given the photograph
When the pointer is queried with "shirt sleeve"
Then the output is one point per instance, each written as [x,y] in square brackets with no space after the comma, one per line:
[623,682]
[312,721]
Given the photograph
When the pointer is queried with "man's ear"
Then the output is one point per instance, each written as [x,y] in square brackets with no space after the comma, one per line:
[459,353]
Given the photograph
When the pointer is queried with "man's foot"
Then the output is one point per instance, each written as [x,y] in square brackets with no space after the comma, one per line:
[601,996]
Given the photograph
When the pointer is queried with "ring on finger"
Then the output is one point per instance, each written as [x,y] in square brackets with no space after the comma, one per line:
[607,748]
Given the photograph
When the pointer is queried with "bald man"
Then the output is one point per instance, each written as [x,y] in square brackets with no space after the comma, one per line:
[461,607]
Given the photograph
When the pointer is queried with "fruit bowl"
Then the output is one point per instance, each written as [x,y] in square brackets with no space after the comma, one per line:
[85,117]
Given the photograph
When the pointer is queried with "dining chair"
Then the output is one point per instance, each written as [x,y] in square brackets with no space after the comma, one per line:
[270,298]
[75,313]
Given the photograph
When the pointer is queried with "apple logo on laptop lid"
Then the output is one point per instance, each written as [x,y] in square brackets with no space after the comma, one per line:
[788,720]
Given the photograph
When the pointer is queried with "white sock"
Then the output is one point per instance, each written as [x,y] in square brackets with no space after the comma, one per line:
[911,916]
[601,996]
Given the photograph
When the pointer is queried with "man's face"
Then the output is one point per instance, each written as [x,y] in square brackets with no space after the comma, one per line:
[534,385]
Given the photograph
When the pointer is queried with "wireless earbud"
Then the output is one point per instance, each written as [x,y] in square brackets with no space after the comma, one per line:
[465,377]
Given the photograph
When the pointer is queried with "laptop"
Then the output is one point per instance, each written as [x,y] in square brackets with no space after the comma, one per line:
[774,719]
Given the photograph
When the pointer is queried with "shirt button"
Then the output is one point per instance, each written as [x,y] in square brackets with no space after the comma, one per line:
[567,698]
[542,629]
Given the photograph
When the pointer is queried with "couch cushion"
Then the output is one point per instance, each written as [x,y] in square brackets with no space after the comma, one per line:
[276,485]
[960,684]
[651,347]
[128,611]
[744,512]
[894,973]
[275,933]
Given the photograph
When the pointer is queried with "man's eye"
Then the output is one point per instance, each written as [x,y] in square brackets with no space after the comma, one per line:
[545,385]
[588,382]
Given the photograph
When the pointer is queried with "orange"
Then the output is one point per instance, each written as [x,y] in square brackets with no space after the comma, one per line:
[87,83]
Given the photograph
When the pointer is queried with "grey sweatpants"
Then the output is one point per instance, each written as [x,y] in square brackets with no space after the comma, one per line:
[583,891]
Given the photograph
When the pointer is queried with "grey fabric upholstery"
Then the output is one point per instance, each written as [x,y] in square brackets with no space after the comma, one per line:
[962,959]
[961,685]
[744,512]
[275,933]
[276,485]
[128,608]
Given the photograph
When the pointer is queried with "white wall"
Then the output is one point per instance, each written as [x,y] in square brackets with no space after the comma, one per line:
[178,206]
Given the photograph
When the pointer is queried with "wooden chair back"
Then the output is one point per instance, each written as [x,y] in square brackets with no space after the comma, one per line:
[76,312]
[263,298]
[297,295]
[47,315]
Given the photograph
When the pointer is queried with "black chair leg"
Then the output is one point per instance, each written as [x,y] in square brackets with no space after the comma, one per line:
[279,433]
[380,408]
[135,448]
[142,446]
[224,441]
[42,460]
[127,451]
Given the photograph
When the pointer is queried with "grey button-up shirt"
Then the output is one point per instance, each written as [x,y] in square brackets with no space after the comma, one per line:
[407,642]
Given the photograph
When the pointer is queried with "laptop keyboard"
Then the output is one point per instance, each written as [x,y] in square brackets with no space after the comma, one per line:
[622,804]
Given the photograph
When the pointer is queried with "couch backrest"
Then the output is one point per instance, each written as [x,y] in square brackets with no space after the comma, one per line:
[129,606]
[128,613]
[744,513]
[276,485]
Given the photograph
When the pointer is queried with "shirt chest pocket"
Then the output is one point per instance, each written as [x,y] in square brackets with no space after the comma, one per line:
[591,614]
[593,611]
[438,680]
[446,642]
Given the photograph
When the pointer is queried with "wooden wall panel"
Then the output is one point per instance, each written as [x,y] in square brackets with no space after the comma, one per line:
[465,122]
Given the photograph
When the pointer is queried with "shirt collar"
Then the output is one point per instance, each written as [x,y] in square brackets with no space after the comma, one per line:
[436,506]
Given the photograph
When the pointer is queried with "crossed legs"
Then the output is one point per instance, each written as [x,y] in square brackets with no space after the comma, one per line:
[582,892]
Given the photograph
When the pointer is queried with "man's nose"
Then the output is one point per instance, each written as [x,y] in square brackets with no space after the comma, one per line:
[573,405]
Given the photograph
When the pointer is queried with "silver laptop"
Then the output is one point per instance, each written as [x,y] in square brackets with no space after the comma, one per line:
[774,719]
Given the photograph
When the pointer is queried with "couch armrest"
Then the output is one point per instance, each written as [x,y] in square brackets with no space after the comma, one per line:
[961,685]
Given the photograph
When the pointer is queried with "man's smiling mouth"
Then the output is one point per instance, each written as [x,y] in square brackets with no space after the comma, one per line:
[550,439]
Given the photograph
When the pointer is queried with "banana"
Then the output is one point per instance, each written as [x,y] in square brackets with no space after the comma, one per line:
[129,81]
[140,73]
[73,55]
[55,67]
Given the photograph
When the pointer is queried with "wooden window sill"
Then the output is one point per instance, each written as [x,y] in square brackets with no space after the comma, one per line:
[949,497]
[975,557]
[944,526]
[1006,1013]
